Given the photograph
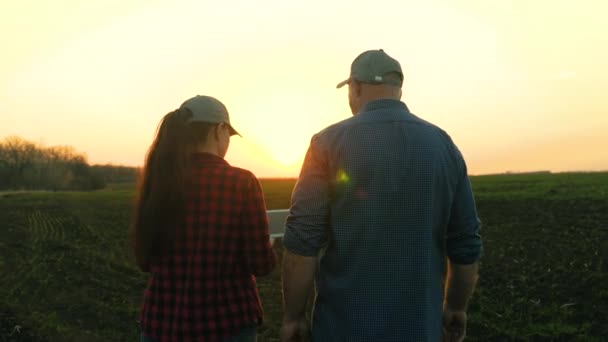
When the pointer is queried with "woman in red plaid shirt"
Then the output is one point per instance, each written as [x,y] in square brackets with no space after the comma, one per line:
[201,231]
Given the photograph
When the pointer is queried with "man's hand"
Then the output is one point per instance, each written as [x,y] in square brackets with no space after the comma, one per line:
[295,331]
[298,275]
[461,280]
[454,325]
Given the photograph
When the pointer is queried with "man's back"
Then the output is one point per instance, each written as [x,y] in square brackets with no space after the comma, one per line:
[379,193]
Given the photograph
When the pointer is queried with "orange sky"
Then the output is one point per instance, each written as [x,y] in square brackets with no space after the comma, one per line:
[519,85]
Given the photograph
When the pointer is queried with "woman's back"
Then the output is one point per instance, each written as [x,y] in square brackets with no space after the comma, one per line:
[201,231]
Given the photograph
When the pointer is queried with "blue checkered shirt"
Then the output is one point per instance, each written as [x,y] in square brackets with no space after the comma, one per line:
[382,198]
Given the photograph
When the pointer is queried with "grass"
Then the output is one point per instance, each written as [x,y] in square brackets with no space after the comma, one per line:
[66,274]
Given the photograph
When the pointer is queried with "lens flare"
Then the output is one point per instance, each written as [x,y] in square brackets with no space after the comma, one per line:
[342,177]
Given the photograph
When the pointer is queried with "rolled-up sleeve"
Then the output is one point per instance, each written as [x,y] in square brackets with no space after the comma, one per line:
[258,252]
[464,245]
[307,226]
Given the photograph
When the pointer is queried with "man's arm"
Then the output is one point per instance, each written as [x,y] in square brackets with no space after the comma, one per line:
[306,233]
[463,241]
[298,276]
[464,247]
[460,284]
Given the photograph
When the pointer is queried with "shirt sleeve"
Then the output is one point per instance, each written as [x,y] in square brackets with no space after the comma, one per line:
[258,252]
[464,245]
[307,226]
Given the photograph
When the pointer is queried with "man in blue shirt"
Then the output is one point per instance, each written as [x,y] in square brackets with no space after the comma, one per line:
[383,199]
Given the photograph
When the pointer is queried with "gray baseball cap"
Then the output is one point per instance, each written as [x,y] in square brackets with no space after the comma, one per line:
[372,66]
[208,109]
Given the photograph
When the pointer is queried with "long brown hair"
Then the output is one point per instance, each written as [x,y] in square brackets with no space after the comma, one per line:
[160,200]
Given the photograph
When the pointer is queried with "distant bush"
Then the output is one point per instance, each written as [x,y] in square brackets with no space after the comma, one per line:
[28,166]
[115,173]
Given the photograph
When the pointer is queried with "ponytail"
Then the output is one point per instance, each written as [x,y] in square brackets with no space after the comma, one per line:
[161,197]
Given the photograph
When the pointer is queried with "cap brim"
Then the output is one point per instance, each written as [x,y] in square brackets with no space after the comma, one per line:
[343,83]
[233,131]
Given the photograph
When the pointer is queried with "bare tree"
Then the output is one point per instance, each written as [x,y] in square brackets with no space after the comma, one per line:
[18,155]
[25,165]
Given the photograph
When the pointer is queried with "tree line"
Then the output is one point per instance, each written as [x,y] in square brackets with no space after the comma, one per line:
[28,166]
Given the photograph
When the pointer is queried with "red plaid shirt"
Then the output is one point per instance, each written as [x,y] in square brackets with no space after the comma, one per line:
[205,289]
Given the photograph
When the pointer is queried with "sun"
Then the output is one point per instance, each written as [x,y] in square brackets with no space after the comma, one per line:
[286,147]
[286,155]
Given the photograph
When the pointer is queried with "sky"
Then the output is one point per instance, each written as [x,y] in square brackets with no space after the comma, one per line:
[519,85]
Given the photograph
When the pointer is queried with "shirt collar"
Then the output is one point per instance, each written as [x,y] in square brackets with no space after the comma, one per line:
[383,104]
[208,158]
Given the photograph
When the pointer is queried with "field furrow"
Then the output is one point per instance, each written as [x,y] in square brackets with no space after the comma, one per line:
[67,274]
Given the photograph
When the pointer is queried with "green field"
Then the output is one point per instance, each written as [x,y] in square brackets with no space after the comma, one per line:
[66,274]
